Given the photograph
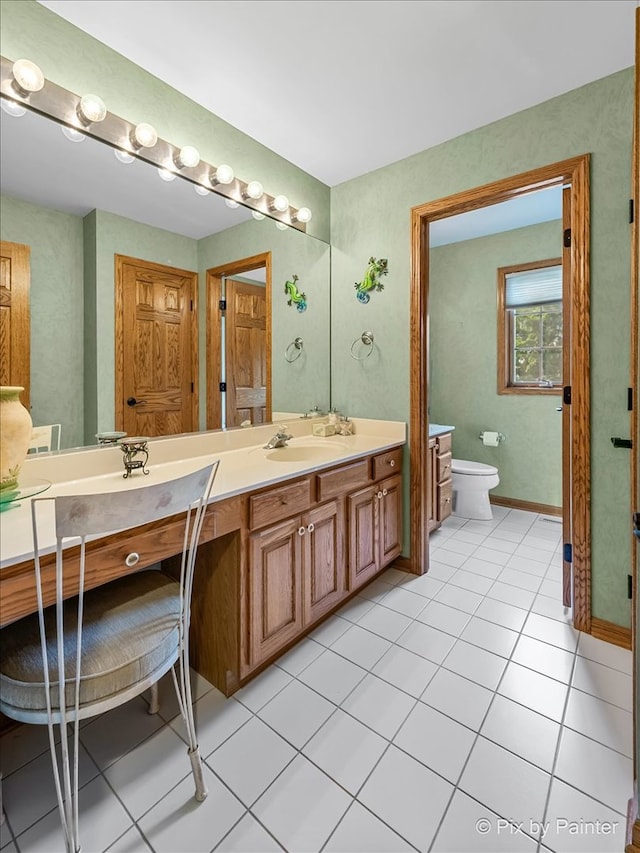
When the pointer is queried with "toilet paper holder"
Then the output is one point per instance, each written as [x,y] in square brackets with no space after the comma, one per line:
[501,437]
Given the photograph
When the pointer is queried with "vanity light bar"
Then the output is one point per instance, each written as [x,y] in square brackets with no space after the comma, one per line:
[67,108]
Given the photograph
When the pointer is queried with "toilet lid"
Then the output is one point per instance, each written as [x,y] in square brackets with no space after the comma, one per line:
[463,466]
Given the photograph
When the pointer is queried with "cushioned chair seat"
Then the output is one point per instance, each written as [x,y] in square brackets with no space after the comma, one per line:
[116,652]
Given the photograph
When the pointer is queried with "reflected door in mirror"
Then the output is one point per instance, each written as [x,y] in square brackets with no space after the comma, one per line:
[15,281]
[156,348]
[246,353]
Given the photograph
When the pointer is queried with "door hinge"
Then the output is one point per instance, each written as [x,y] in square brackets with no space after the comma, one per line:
[567,552]
[629,399]
[222,304]
[566,238]
[627,443]
[222,386]
[631,211]
[192,387]
[191,305]
[629,586]
[566,395]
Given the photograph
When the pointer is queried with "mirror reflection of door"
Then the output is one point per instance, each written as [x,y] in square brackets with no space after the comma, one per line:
[245,327]
[15,280]
[156,348]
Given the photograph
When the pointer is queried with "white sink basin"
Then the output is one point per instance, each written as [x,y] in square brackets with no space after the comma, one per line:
[305,450]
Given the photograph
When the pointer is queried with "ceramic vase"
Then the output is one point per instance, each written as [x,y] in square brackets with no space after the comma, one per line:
[15,435]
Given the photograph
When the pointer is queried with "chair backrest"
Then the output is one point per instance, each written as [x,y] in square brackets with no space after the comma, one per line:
[45,438]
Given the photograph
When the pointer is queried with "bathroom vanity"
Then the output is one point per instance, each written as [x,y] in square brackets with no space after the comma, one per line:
[440,493]
[289,534]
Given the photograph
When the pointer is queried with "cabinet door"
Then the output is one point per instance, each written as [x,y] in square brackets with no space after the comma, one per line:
[275,579]
[432,495]
[363,536]
[324,562]
[390,519]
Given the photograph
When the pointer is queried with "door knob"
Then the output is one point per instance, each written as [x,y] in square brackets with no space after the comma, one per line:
[131,401]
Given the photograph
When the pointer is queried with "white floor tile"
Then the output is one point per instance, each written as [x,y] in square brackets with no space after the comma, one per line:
[169,708]
[465,535]
[482,567]
[332,676]
[523,731]
[572,819]
[405,670]
[507,535]
[251,759]
[330,630]
[442,560]
[552,609]
[248,836]
[528,566]
[462,599]
[605,683]
[427,641]
[427,586]
[395,576]
[356,607]
[444,618]
[459,546]
[296,713]
[407,796]
[458,697]
[472,582]
[507,546]
[6,838]
[131,842]
[361,647]
[360,831]
[263,687]
[522,598]
[595,770]
[521,802]
[480,666]
[608,724]
[216,717]
[178,822]
[346,750]
[495,556]
[549,660]
[302,806]
[435,740]
[605,653]
[535,691]
[502,614]
[375,591]
[384,622]
[552,588]
[402,601]
[540,543]
[487,635]
[521,580]
[110,736]
[300,656]
[469,826]
[539,555]
[552,631]
[379,705]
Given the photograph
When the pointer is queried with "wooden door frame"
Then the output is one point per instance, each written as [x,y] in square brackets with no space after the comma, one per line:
[214,295]
[20,335]
[120,262]
[576,172]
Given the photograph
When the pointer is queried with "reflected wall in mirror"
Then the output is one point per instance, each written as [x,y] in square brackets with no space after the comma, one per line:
[77,207]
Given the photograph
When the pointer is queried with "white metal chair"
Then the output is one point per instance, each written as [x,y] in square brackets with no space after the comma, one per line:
[83,656]
[45,438]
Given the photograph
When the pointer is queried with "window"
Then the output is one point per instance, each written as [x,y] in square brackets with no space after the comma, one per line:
[530,328]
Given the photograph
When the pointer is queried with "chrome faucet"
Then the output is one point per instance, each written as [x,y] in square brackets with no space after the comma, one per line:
[280,439]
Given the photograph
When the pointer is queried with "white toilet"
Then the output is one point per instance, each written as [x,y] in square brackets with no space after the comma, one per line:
[471,484]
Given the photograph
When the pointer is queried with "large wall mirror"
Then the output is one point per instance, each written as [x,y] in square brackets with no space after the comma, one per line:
[79,209]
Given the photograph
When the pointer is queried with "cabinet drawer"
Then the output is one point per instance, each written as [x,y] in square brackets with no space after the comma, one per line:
[444,443]
[443,467]
[387,463]
[341,480]
[445,493]
[280,503]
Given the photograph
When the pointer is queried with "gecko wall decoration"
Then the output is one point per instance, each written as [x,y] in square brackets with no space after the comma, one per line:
[371,280]
[296,297]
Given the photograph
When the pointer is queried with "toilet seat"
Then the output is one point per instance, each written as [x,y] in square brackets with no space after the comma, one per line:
[464,466]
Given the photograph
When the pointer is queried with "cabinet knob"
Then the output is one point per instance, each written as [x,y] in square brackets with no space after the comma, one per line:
[384,493]
[379,496]
[131,559]
[311,527]
[392,463]
[302,531]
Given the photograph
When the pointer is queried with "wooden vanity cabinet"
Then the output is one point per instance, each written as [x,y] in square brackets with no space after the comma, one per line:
[440,492]
[375,529]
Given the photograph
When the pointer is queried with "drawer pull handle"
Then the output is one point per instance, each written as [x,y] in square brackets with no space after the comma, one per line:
[392,463]
[447,500]
[311,527]
[302,531]
[379,496]
[132,559]
[384,493]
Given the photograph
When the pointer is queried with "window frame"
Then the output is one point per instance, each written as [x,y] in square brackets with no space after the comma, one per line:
[505,332]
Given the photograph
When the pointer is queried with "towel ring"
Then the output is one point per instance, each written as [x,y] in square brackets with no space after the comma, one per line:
[297,346]
[367,339]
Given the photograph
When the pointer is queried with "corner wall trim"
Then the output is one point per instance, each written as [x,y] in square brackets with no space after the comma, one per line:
[531,506]
[611,633]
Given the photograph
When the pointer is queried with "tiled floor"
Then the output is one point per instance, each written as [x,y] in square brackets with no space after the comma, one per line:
[458,711]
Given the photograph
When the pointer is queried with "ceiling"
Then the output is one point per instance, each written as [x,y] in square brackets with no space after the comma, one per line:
[342,88]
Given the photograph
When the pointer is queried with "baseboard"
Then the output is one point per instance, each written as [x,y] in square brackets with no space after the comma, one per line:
[611,633]
[530,506]
[634,847]
[402,563]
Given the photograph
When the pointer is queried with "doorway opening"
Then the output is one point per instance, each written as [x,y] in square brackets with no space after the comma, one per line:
[573,176]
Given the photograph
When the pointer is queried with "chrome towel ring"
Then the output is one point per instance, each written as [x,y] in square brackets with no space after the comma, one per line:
[367,339]
[294,349]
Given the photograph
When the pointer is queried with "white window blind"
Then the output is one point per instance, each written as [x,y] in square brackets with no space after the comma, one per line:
[534,287]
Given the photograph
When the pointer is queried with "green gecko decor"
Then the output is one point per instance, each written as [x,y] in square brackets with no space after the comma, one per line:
[295,296]
[371,280]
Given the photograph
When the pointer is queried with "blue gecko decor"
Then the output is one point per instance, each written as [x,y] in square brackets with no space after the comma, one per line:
[296,297]
[371,280]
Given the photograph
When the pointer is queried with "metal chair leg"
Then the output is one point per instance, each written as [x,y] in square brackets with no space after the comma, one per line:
[154,702]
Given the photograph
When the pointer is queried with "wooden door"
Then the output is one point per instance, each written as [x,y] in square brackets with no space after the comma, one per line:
[390,519]
[156,348]
[245,353]
[363,536]
[15,329]
[324,563]
[275,588]
[567,522]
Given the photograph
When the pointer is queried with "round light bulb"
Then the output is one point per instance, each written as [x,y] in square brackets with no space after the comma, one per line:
[123,156]
[189,157]
[91,109]
[254,190]
[224,174]
[166,175]
[72,134]
[282,226]
[257,215]
[231,203]
[200,189]
[144,135]
[27,77]
[12,108]
[304,215]
[281,203]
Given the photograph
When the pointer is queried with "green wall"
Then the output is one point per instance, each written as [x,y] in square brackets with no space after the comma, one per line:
[463,357]
[370,215]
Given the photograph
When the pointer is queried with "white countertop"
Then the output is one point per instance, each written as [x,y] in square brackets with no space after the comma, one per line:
[244,466]
[439,429]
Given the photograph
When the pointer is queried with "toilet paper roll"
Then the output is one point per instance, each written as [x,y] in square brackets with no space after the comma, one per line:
[490,439]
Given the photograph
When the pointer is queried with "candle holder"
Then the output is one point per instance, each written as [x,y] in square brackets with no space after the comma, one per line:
[136,454]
